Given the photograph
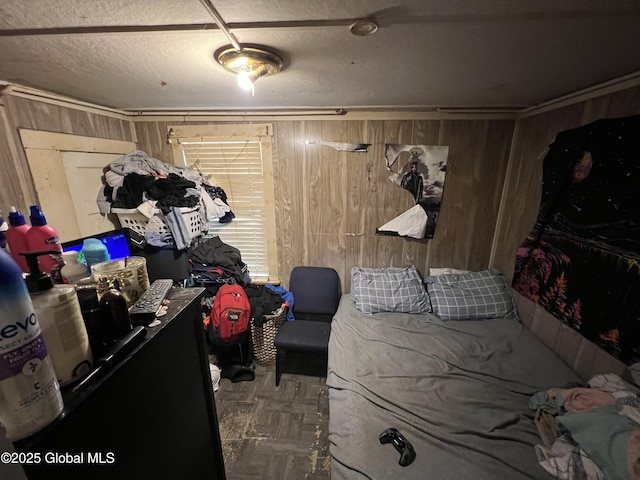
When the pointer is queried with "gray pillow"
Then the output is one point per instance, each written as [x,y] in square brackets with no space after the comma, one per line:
[388,290]
[471,296]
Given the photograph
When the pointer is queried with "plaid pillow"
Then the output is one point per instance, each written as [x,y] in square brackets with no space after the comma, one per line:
[388,290]
[471,296]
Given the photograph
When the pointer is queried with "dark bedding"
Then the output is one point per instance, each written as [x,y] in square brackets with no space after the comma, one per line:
[457,390]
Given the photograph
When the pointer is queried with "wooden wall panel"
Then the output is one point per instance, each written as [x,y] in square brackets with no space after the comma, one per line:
[288,175]
[295,192]
[475,173]
[523,186]
[17,184]
[35,115]
[357,165]
[154,137]
[324,194]
[357,168]
[621,104]
[329,203]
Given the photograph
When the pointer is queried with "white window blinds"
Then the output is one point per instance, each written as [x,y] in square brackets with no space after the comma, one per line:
[237,166]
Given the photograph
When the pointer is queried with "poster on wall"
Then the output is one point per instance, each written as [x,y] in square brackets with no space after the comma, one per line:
[420,170]
[581,262]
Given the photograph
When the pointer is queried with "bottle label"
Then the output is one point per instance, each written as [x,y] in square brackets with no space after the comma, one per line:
[26,359]
[52,240]
[22,348]
[68,319]
[18,333]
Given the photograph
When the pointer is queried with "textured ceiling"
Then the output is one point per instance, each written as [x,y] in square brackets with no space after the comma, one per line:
[158,54]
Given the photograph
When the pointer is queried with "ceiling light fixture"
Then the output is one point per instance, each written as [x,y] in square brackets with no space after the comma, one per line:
[249,64]
[247,79]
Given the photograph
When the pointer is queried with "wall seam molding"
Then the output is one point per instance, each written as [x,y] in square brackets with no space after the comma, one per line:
[388,113]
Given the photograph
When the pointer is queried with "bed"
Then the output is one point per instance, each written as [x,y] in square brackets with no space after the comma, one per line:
[458,390]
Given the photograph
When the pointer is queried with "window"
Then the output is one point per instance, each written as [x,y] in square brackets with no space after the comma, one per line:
[240,163]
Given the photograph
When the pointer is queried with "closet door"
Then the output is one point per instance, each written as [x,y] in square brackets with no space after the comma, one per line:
[83,172]
[67,174]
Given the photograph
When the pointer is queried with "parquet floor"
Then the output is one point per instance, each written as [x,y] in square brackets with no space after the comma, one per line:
[271,433]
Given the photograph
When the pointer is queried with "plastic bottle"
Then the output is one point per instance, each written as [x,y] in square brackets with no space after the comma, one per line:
[94,320]
[29,392]
[94,251]
[3,232]
[42,236]
[63,329]
[73,269]
[114,308]
[17,238]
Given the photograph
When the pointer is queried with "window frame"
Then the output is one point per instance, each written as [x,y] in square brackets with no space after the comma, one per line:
[261,133]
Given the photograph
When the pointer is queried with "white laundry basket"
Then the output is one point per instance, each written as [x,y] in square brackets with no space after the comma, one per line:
[139,223]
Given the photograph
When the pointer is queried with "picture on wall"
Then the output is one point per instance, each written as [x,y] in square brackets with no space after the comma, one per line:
[581,262]
[422,175]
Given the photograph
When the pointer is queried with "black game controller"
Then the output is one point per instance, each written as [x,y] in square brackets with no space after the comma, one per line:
[407,453]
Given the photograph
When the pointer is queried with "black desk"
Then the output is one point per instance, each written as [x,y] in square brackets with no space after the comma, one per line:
[150,415]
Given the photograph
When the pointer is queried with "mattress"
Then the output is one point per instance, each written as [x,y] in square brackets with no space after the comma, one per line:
[457,390]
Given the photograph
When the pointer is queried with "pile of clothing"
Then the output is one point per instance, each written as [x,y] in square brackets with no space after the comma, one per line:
[589,432]
[137,181]
[268,299]
[212,263]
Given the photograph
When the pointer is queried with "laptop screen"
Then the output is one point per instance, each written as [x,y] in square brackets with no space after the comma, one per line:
[116,241]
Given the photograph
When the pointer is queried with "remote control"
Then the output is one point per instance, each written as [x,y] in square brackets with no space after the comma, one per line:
[144,310]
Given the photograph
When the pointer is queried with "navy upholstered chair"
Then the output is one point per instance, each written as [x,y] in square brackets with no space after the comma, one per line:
[316,293]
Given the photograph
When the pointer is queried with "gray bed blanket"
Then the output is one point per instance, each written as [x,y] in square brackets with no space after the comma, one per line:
[457,390]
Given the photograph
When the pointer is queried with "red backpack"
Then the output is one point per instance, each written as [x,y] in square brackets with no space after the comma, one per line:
[230,313]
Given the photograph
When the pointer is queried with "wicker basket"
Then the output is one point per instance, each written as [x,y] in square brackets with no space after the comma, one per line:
[263,338]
